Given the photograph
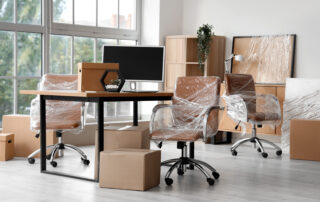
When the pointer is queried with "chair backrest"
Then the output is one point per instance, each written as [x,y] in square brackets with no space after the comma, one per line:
[242,84]
[59,82]
[197,89]
[60,115]
[198,92]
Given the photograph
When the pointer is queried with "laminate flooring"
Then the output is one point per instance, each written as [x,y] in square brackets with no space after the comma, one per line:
[247,177]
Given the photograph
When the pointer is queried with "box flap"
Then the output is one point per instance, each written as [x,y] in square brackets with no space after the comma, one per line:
[5,136]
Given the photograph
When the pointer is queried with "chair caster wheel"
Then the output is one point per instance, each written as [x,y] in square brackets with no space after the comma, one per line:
[259,150]
[169,181]
[234,152]
[54,164]
[31,160]
[180,171]
[216,175]
[85,161]
[264,154]
[48,157]
[279,152]
[210,181]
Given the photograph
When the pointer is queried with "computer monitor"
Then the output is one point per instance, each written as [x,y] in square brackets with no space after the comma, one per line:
[137,63]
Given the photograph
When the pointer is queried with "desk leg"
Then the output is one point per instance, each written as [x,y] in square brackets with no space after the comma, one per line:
[43,163]
[100,132]
[135,113]
[191,153]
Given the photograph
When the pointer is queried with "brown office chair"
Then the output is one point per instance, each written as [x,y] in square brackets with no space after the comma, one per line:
[193,114]
[243,105]
[60,115]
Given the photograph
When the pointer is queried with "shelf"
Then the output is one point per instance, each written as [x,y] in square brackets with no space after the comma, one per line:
[192,63]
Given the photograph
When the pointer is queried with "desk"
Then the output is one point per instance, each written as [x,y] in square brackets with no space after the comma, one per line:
[97,97]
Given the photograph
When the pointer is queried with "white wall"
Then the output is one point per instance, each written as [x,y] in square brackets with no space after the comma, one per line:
[261,17]
[150,23]
[170,18]
[159,19]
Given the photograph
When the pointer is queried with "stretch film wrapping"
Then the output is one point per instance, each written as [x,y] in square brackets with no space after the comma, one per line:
[193,113]
[60,115]
[268,58]
[303,107]
[244,105]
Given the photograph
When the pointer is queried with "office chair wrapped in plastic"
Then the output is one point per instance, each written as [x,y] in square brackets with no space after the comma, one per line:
[192,115]
[61,116]
[245,106]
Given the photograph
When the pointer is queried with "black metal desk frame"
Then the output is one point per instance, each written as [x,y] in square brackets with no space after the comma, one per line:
[100,101]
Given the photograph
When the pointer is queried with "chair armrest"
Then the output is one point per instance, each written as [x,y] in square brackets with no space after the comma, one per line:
[206,117]
[236,107]
[153,115]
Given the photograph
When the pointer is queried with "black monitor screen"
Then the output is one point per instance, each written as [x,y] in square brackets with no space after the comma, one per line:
[137,62]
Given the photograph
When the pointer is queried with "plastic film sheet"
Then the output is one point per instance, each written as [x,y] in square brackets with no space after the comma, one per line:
[60,115]
[268,58]
[193,113]
[244,105]
[303,107]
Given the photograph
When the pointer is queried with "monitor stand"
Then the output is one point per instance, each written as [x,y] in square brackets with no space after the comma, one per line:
[133,89]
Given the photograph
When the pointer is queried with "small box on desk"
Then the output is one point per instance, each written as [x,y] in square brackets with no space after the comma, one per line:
[133,169]
[305,140]
[124,135]
[89,75]
[6,146]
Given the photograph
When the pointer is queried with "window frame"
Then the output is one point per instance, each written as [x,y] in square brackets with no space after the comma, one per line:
[49,27]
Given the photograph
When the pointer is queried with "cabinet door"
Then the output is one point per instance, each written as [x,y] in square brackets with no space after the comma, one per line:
[225,122]
[172,72]
[175,50]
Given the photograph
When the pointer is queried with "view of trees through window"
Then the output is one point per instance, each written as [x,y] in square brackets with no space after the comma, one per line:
[22,52]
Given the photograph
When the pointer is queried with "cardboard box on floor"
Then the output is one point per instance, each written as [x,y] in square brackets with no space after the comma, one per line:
[134,169]
[25,140]
[305,139]
[6,146]
[124,135]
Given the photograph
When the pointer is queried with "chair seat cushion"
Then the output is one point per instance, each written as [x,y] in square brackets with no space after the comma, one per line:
[58,125]
[176,135]
[260,116]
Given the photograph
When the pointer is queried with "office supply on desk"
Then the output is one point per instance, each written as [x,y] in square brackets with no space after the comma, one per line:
[137,63]
[244,106]
[140,91]
[193,115]
[96,97]
[62,115]
[89,75]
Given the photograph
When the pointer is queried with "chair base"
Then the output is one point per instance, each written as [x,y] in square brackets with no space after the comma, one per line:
[181,165]
[255,140]
[56,148]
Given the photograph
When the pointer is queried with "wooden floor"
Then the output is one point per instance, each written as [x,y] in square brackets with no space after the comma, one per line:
[247,177]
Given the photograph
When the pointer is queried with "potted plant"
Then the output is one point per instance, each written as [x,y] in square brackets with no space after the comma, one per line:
[204,34]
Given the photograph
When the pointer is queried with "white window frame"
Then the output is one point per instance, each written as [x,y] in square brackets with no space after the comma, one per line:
[48,27]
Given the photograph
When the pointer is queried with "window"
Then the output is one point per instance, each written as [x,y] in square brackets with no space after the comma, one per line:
[52,36]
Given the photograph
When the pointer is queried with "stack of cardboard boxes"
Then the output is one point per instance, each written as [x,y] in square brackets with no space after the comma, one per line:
[127,161]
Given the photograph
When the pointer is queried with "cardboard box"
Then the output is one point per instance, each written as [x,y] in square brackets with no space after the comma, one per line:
[124,136]
[6,146]
[134,169]
[305,139]
[25,140]
[89,75]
